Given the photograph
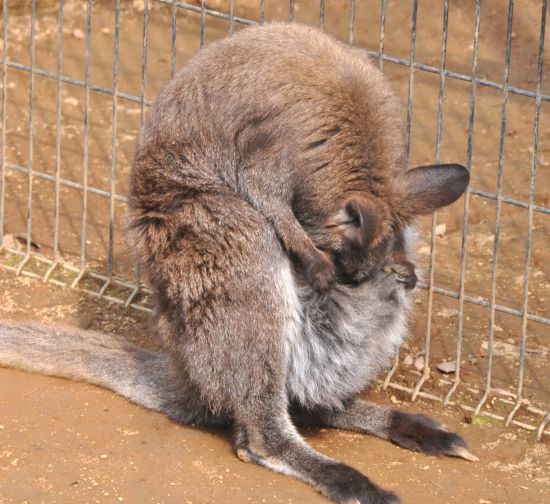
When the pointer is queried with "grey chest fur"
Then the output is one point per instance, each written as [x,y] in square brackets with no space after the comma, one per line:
[335,349]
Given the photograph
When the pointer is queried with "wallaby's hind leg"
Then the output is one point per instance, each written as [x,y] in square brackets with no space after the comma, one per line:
[273,442]
[409,430]
[228,326]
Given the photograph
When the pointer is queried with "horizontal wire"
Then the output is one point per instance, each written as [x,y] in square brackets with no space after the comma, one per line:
[120,197]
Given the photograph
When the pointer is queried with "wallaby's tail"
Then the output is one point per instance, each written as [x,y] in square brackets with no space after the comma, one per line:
[151,379]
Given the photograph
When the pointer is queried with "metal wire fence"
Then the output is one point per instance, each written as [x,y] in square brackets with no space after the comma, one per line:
[65,188]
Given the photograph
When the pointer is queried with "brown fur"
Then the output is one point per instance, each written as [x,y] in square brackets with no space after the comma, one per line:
[227,121]
[303,134]
[278,141]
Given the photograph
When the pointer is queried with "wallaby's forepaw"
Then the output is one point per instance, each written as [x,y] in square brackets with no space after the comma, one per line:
[345,485]
[404,270]
[320,272]
[421,434]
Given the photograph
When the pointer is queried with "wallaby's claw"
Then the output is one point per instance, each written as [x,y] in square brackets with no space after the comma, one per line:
[462,452]
[404,272]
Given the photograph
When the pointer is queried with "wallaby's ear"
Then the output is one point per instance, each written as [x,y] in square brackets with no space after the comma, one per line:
[357,223]
[428,188]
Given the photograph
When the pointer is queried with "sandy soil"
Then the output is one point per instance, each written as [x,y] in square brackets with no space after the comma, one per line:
[68,442]
[55,433]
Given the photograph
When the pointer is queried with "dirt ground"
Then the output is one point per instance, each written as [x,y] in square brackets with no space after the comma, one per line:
[107,449]
[66,442]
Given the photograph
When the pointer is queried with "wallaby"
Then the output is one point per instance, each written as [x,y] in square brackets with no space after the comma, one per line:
[272,163]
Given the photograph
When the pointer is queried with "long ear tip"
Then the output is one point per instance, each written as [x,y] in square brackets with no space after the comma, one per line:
[459,175]
[462,175]
[434,186]
[464,179]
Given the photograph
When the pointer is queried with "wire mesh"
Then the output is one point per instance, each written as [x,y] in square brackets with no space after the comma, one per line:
[181,23]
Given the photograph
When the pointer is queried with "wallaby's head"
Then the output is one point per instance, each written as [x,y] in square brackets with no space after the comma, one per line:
[364,229]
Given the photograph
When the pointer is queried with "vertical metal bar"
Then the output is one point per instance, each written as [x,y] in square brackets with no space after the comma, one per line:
[496,245]
[231,16]
[442,82]
[411,80]
[262,11]
[392,371]
[83,244]
[31,140]
[427,339]
[174,32]
[351,22]
[382,34]
[145,42]
[142,119]
[57,142]
[322,14]
[113,154]
[409,114]
[203,24]
[543,425]
[291,10]
[463,252]
[395,364]
[530,214]
[4,113]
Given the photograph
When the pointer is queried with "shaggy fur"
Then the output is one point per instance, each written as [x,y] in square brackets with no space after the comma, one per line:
[271,163]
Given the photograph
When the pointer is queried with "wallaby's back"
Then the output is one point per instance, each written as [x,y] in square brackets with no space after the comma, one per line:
[310,115]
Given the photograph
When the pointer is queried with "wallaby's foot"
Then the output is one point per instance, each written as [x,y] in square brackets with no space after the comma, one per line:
[339,482]
[345,485]
[404,270]
[408,430]
[319,271]
[281,449]
[422,434]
